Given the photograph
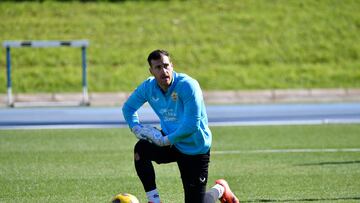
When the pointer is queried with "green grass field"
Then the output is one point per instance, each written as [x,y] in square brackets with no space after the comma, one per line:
[92,165]
[225,44]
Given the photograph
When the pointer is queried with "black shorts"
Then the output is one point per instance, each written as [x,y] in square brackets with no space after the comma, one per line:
[193,168]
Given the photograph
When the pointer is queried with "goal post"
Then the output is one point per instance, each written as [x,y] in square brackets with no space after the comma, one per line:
[83,44]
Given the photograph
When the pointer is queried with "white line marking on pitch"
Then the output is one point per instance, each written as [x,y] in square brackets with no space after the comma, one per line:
[268,151]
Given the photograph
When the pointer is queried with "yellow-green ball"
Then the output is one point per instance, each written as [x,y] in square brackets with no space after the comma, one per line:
[125,198]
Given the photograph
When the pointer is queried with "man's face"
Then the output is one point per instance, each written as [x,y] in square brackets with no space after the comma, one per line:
[162,70]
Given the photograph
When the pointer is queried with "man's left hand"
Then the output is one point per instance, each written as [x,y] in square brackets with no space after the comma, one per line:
[155,136]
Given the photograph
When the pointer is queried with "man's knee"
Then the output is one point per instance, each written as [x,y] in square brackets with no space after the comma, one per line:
[194,191]
[140,149]
[145,150]
[195,184]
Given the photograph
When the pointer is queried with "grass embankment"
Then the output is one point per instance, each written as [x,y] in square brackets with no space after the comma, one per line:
[92,165]
[224,44]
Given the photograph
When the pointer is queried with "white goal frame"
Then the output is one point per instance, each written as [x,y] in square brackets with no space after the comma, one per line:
[43,44]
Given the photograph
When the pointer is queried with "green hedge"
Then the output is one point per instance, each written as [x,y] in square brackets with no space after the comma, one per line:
[100,1]
[246,44]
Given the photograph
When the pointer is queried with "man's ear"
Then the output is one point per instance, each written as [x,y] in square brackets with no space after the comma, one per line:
[150,70]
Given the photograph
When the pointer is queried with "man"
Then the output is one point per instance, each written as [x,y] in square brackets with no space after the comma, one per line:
[184,138]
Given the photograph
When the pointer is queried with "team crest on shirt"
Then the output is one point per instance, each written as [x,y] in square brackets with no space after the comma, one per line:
[174,96]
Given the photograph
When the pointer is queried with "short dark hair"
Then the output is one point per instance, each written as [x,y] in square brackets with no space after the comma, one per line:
[157,54]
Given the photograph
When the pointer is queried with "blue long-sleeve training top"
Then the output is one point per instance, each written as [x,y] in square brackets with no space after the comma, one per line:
[181,111]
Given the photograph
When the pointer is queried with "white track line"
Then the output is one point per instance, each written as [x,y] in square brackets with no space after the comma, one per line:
[240,123]
[268,151]
[294,122]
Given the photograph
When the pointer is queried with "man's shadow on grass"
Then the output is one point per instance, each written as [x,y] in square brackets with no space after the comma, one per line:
[304,200]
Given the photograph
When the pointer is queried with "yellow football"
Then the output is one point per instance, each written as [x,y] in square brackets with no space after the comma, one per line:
[125,198]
